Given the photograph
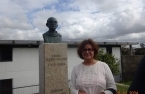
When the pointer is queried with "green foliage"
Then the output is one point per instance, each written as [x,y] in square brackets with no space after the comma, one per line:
[111,60]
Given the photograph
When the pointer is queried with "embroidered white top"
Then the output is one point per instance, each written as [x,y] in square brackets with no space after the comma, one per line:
[92,79]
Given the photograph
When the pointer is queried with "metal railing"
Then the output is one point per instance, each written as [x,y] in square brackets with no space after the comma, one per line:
[32,89]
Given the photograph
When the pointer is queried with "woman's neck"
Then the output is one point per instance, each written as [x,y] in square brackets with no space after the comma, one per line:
[89,62]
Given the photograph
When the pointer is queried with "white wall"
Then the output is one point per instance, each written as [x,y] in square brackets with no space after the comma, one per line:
[117,53]
[102,48]
[23,69]
[73,59]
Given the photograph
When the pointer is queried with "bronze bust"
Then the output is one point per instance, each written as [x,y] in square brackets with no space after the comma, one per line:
[52,36]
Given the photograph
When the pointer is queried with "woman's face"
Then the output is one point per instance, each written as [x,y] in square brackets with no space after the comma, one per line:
[87,52]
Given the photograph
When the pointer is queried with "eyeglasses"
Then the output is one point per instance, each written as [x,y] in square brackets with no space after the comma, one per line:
[89,50]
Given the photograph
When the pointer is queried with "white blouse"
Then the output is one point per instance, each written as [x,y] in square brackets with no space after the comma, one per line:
[92,79]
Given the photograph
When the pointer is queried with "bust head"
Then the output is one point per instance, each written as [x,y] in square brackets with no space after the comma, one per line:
[52,23]
[51,36]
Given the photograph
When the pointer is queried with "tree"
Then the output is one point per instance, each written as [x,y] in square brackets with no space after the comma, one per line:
[111,60]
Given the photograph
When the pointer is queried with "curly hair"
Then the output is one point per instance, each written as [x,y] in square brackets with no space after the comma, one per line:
[81,46]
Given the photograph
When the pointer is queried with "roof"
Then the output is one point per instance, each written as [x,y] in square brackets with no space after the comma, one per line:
[37,42]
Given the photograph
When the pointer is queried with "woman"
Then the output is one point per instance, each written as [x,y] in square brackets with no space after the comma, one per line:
[91,76]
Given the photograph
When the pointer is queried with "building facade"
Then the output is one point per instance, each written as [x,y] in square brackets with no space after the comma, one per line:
[19,63]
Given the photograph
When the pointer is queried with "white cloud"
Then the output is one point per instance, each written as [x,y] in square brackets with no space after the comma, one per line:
[101,20]
[14,23]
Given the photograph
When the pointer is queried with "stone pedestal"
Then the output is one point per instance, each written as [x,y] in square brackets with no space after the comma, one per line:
[53,70]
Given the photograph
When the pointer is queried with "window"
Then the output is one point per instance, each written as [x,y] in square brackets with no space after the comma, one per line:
[6,86]
[109,49]
[5,53]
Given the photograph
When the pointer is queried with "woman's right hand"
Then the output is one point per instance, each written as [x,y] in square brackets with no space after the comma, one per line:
[80,92]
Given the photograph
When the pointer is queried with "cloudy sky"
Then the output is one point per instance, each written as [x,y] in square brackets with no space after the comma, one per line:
[101,20]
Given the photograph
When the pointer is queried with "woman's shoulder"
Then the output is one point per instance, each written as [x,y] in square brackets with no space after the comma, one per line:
[77,66]
[103,63]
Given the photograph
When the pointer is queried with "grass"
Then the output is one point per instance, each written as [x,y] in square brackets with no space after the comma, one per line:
[126,82]
[122,89]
